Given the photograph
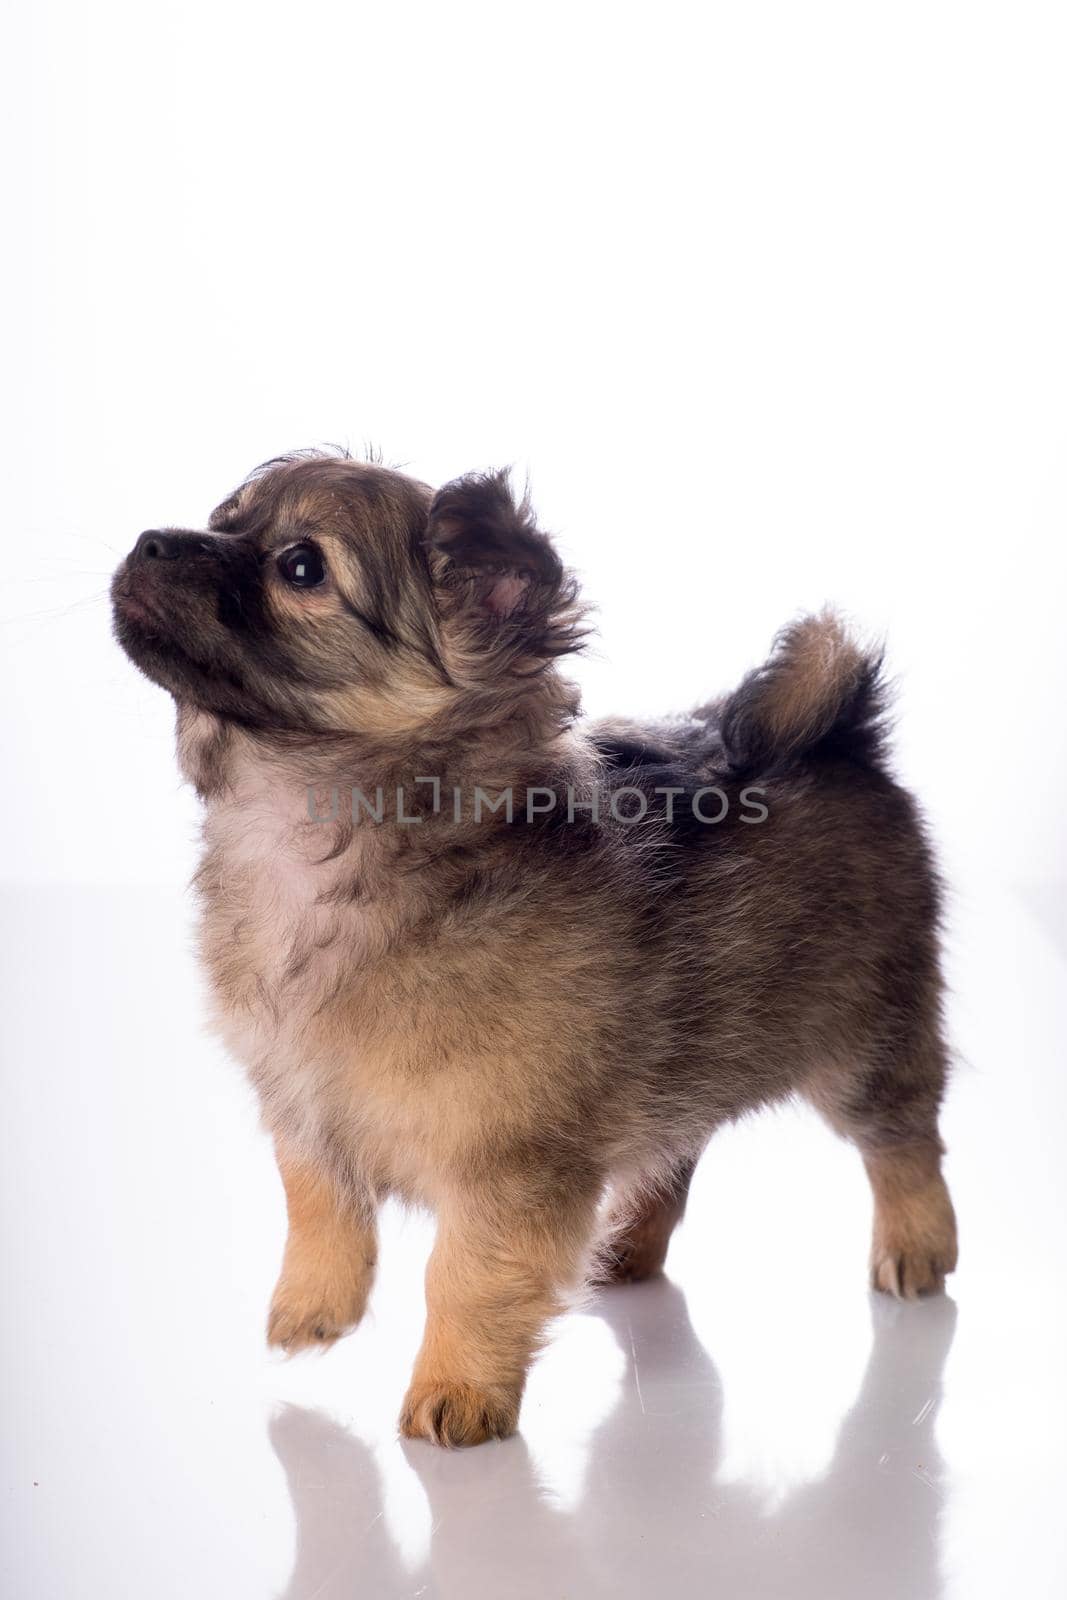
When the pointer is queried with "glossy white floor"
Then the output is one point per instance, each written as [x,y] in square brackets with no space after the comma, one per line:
[753,1424]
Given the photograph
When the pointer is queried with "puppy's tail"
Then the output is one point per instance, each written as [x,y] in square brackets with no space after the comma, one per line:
[820,694]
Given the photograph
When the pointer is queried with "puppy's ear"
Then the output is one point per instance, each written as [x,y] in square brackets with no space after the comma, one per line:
[497,574]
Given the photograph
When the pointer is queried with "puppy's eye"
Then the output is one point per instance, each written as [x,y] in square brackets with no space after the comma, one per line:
[302,566]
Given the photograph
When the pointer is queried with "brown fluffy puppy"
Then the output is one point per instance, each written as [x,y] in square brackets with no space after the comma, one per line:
[509,1019]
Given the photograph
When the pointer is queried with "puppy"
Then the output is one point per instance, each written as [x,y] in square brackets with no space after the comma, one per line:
[506,966]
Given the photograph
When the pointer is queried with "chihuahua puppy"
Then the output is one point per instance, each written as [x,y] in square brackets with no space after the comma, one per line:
[515,969]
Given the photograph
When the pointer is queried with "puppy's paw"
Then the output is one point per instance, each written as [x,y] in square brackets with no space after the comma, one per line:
[909,1274]
[451,1414]
[914,1244]
[304,1315]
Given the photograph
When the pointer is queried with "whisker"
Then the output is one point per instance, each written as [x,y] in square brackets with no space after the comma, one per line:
[54,613]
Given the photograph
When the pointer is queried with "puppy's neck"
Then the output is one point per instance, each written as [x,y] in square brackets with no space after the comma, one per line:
[301,776]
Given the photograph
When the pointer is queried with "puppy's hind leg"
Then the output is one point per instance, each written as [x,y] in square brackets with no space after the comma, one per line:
[639,1231]
[890,1112]
[914,1243]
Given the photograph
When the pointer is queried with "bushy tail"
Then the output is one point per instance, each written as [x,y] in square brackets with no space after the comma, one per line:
[819,694]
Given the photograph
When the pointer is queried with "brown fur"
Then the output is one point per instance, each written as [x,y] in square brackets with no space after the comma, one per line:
[638,1235]
[509,1021]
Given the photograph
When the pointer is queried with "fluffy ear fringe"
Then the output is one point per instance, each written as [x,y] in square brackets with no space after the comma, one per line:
[498,574]
[476,521]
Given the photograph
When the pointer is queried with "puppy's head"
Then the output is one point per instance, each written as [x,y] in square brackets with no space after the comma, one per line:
[334,596]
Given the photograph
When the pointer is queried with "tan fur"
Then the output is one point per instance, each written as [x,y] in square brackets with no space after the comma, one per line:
[497,1273]
[914,1242]
[824,663]
[329,1262]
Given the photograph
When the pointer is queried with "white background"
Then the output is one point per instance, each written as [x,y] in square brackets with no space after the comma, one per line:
[769,302]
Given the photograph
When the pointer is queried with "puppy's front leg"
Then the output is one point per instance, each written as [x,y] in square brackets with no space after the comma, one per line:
[330,1256]
[498,1272]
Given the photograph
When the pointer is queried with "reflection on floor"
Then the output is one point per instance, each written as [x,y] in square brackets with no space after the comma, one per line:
[651,1509]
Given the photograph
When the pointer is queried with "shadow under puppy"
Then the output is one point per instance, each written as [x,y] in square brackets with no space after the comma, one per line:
[508,1015]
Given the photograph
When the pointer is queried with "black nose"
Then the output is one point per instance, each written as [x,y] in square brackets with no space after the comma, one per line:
[156,546]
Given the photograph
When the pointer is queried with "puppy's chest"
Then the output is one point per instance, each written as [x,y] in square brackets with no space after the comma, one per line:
[319,996]
[282,927]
